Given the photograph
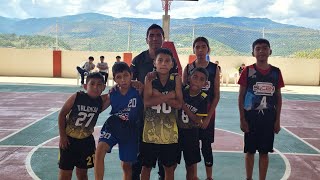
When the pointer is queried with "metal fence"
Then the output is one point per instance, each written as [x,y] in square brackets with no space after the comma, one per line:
[125,36]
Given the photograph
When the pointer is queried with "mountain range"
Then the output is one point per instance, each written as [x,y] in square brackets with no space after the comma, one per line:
[227,36]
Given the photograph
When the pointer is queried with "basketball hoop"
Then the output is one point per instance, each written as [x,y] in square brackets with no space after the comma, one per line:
[166,4]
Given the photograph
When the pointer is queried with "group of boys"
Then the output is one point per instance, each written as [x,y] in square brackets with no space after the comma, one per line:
[89,66]
[172,116]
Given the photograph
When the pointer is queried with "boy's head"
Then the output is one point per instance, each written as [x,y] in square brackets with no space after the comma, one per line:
[122,74]
[91,59]
[201,44]
[94,84]
[198,78]
[101,58]
[118,58]
[261,49]
[163,61]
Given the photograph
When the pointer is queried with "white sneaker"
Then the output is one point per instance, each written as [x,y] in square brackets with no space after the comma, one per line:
[86,73]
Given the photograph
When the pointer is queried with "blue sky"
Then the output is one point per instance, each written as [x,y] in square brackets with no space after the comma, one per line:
[304,13]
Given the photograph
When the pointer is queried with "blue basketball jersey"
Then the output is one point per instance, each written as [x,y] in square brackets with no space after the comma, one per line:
[126,106]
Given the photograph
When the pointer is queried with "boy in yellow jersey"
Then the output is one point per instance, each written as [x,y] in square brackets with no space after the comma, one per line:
[162,98]
[77,119]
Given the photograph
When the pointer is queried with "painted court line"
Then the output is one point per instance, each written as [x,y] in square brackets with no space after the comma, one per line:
[12,134]
[310,138]
[314,148]
[9,146]
[9,129]
[302,154]
[286,161]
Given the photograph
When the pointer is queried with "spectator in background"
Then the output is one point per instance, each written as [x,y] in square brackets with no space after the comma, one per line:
[85,69]
[220,72]
[118,58]
[241,68]
[103,69]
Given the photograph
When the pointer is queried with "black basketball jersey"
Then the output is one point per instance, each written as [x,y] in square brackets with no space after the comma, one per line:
[211,68]
[261,88]
[160,122]
[197,104]
[83,116]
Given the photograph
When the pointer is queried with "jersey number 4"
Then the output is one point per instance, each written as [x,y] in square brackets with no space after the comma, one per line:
[162,107]
[82,116]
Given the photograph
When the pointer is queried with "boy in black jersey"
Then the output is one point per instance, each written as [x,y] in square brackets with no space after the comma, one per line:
[193,110]
[260,104]
[162,98]
[77,119]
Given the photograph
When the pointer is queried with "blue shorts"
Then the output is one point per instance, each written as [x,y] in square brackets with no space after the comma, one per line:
[116,131]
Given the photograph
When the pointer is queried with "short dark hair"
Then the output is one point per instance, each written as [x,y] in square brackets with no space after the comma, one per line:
[203,39]
[94,75]
[91,58]
[118,57]
[164,51]
[101,56]
[201,70]
[260,41]
[155,26]
[120,67]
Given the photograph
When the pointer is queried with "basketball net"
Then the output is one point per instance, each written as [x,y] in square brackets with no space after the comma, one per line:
[166,4]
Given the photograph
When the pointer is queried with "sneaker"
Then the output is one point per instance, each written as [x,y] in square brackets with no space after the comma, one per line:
[85,73]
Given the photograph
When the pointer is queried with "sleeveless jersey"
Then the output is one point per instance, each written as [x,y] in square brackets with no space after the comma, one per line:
[197,104]
[83,116]
[160,122]
[261,88]
[126,107]
[211,68]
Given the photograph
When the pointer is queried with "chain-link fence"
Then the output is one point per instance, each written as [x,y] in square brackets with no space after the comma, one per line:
[128,35]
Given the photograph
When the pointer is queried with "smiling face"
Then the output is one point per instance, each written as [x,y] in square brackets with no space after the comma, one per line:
[123,79]
[197,81]
[94,87]
[261,51]
[163,63]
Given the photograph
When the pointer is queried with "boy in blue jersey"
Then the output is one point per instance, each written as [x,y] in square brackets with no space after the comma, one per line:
[162,98]
[194,109]
[77,119]
[260,104]
[120,128]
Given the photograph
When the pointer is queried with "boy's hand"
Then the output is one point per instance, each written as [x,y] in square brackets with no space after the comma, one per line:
[156,92]
[244,125]
[151,75]
[137,85]
[277,127]
[205,123]
[171,94]
[64,142]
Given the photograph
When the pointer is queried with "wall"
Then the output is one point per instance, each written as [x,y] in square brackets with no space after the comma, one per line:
[38,63]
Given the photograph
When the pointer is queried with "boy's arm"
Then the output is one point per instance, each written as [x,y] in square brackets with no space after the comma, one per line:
[105,101]
[148,98]
[278,111]
[101,151]
[243,123]
[177,101]
[66,108]
[216,98]
[195,118]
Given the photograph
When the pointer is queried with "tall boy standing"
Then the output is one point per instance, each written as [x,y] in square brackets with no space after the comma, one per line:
[260,104]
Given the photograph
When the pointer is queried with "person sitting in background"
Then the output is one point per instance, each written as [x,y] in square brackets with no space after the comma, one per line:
[220,72]
[103,69]
[85,69]
[118,58]
[241,68]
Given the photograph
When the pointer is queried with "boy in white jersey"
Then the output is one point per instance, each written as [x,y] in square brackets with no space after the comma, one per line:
[77,119]
[86,68]
[103,69]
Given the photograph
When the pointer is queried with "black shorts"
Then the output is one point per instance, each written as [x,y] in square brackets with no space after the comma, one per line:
[189,146]
[208,133]
[166,153]
[79,153]
[261,131]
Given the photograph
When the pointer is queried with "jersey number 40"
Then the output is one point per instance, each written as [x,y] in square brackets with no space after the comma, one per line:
[162,107]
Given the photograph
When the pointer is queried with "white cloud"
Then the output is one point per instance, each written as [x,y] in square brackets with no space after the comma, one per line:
[296,12]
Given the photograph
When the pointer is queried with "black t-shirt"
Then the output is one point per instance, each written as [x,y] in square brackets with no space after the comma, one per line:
[143,64]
